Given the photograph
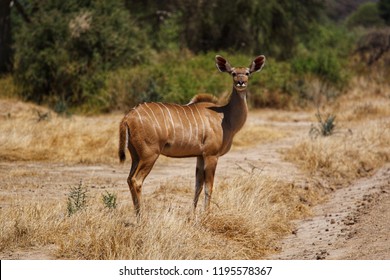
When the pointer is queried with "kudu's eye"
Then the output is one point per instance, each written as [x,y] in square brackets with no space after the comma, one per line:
[234,74]
[247,74]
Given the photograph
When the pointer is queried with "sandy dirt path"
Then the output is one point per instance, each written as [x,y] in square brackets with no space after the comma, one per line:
[353,224]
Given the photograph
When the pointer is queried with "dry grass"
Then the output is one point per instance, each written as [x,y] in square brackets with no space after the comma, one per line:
[249,216]
[367,100]
[30,132]
[74,139]
[360,144]
[345,156]
[251,135]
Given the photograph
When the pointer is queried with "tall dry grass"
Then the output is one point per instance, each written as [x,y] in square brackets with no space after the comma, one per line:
[360,144]
[33,133]
[346,155]
[249,216]
[368,99]
[251,135]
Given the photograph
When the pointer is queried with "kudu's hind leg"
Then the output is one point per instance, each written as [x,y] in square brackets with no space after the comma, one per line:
[199,174]
[138,173]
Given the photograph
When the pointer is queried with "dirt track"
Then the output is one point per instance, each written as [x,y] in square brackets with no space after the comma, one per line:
[354,223]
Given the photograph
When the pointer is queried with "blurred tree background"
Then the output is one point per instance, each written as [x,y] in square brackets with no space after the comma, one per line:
[104,55]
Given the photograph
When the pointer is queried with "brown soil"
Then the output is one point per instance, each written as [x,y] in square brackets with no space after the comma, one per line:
[353,224]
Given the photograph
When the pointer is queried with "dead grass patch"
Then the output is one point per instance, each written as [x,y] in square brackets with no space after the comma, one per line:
[25,136]
[251,135]
[366,100]
[248,217]
[344,156]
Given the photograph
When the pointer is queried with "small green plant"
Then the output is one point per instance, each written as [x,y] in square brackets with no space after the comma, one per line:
[324,127]
[77,199]
[109,200]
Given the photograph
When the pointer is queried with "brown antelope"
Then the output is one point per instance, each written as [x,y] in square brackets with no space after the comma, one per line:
[200,129]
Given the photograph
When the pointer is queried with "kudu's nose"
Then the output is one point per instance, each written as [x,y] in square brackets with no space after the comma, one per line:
[240,84]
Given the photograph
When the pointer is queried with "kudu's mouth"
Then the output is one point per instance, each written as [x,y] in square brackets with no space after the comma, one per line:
[241,84]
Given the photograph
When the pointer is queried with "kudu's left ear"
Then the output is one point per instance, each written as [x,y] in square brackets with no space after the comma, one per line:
[222,64]
[257,64]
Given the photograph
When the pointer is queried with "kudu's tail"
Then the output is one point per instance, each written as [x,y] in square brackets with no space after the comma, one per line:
[123,130]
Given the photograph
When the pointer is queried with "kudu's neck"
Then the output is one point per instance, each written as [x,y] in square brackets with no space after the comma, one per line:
[236,110]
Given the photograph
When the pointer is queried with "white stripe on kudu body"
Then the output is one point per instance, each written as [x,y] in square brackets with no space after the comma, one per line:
[156,121]
[200,129]
[189,124]
[194,123]
[147,113]
[170,117]
[201,119]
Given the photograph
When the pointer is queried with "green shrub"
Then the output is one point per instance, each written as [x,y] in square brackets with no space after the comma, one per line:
[173,77]
[366,15]
[324,126]
[63,55]
[109,200]
[77,199]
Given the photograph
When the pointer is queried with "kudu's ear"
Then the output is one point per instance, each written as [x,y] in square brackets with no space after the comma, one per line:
[257,64]
[222,64]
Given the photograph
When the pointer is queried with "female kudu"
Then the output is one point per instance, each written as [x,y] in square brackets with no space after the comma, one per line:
[199,129]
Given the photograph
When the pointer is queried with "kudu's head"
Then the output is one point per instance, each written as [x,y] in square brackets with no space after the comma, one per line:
[240,74]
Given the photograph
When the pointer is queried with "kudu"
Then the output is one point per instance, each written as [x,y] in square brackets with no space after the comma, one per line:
[200,129]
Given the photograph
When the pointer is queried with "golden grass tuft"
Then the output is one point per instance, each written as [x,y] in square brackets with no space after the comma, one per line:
[366,100]
[345,156]
[251,135]
[30,132]
[250,214]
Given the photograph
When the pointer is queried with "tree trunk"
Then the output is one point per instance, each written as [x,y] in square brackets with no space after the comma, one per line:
[5,37]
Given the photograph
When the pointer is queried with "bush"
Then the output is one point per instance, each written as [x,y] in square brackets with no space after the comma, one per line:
[324,127]
[321,63]
[171,77]
[77,199]
[62,56]
[367,15]
[109,200]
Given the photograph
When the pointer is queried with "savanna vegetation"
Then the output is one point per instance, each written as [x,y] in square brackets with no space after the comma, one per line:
[100,56]
[69,69]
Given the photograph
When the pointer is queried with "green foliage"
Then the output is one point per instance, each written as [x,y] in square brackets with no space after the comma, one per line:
[77,199]
[366,15]
[173,77]
[323,56]
[324,127]
[63,55]
[98,56]
[109,200]
[249,26]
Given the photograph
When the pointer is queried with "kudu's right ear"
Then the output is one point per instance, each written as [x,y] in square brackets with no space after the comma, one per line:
[222,64]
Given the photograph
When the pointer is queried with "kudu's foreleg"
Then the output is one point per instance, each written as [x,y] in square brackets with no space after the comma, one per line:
[199,175]
[210,164]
